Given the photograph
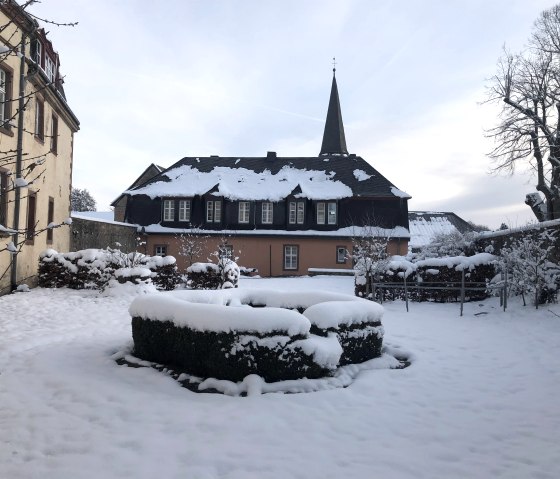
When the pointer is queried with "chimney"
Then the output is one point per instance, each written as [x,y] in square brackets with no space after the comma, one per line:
[270,155]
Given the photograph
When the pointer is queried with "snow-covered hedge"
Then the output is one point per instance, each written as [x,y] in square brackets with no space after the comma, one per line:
[428,279]
[94,268]
[223,275]
[230,334]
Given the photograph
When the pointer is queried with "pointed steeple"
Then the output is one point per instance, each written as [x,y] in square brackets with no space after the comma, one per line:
[334,141]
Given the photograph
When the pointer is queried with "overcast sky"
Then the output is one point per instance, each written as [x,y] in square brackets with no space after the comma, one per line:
[155,81]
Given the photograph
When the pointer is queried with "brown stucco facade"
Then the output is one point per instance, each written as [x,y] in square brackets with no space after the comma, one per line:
[268,253]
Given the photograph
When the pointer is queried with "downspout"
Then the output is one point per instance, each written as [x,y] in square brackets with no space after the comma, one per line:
[19,160]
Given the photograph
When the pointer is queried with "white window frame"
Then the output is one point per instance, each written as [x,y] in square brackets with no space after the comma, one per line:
[217,211]
[160,250]
[291,257]
[267,212]
[331,213]
[3,79]
[184,210]
[300,212]
[292,213]
[341,254]
[321,213]
[168,210]
[225,251]
[39,53]
[244,212]
[50,68]
[213,211]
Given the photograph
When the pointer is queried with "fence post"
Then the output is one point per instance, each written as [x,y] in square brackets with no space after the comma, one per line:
[462,289]
[505,291]
[405,292]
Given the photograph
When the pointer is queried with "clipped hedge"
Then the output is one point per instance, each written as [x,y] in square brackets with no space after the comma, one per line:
[282,336]
[224,355]
[213,276]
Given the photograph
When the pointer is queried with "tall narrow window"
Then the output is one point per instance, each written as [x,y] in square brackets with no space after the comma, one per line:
[38,53]
[292,213]
[50,68]
[341,254]
[31,215]
[40,119]
[3,198]
[291,253]
[213,211]
[168,210]
[300,212]
[332,213]
[320,213]
[217,211]
[50,220]
[5,97]
[267,210]
[244,208]
[54,134]
[184,210]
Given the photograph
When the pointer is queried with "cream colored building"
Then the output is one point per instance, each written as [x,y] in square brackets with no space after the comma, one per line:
[36,143]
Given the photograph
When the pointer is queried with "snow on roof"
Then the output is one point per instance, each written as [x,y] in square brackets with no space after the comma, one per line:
[399,193]
[349,231]
[244,184]
[100,216]
[426,225]
[361,175]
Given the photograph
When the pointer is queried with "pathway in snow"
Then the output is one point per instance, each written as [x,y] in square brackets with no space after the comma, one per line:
[480,400]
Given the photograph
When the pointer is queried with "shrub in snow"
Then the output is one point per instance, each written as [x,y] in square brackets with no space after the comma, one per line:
[230,334]
[429,279]
[94,268]
[223,275]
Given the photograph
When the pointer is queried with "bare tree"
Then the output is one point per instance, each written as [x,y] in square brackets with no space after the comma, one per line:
[192,244]
[527,85]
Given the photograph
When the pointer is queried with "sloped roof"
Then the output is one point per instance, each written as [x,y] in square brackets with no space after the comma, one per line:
[425,225]
[271,178]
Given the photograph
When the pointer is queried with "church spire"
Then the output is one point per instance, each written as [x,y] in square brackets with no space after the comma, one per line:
[334,141]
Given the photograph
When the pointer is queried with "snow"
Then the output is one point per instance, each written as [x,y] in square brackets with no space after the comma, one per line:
[422,232]
[99,216]
[399,193]
[361,175]
[458,262]
[478,401]
[348,232]
[331,314]
[21,183]
[244,184]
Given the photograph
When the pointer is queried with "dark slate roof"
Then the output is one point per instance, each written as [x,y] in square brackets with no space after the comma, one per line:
[368,182]
[334,141]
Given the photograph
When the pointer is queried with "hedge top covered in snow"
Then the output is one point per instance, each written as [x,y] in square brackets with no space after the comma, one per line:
[457,262]
[229,310]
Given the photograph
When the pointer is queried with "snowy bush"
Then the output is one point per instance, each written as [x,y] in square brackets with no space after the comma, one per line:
[429,279]
[223,275]
[94,268]
[230,334]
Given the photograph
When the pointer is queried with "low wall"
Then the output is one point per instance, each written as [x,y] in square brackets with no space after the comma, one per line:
[85,234]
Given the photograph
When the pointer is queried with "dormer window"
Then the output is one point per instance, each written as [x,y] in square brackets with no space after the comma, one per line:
[297,212]
[213,211]
[184,210]
[244,209]
[50,69]
[38,53]
[168,210]
[326,213]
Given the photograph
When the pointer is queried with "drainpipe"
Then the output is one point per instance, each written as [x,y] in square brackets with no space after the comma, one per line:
[19,161]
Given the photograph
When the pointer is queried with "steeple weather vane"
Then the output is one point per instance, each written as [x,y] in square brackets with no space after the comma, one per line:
[334,65]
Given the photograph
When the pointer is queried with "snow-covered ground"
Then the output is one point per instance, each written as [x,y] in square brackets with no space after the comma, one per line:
[480,400]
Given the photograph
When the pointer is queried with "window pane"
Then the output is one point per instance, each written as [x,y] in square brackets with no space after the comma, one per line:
[341,254]
[267,213]
[209,211]
[292,215]
[332,213]
[300,212]
[290,257]
[217,211]
[243,216]
[320,213]
[168,210]
[184,210]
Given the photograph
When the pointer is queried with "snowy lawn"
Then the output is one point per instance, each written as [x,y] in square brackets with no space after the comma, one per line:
[480,400]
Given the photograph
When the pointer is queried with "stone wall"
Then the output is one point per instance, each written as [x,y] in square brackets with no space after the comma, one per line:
[98,234]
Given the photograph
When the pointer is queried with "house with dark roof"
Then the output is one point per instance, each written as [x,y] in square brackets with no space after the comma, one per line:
[282,215]
[425,226]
